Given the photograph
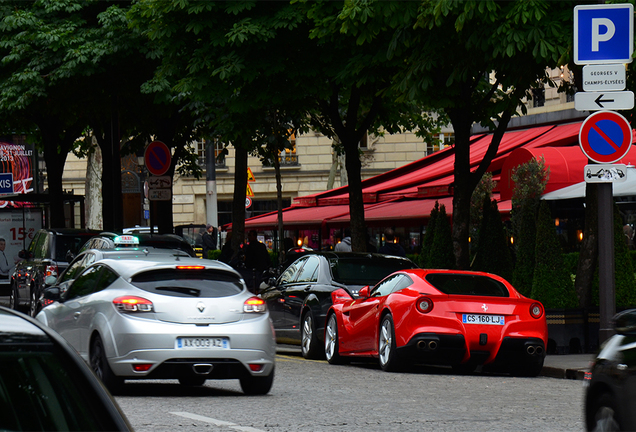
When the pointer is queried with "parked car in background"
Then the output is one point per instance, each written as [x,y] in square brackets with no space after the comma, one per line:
[440,317]
[193,234]
[165,317]
[46,386]
[48,254]
[299,299]
[109,240]
[610,386]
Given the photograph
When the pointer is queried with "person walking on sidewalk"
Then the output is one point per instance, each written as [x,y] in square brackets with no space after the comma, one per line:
[209,240]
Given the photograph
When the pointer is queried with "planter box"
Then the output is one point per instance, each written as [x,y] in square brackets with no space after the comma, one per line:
[572,331]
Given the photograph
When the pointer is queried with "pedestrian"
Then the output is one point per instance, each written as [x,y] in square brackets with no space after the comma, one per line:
[345,244]
[390,247]
[226,251]
[257,260]
[209,240]
[370,246]
[4,262]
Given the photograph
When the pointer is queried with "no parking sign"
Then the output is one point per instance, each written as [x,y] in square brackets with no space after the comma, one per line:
[158,158]
[605,137]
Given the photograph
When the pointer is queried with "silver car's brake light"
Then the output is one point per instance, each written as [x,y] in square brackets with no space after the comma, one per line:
[254,305]
[132,304]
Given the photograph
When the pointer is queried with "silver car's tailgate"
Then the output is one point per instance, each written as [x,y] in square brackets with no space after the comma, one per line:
[185,310]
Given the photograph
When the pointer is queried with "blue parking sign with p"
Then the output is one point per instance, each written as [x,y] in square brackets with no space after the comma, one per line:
[603,33]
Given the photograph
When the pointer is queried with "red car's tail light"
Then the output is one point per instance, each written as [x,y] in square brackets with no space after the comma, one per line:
[133,304]
[192,267]
[424,304]
[536,310]
[50,270]
[254,305]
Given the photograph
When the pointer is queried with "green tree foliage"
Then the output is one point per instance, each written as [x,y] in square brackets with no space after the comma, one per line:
[552,284]
[427,243]
[441,252]
[474,60]
[493,253]
[289,57]
[529,179]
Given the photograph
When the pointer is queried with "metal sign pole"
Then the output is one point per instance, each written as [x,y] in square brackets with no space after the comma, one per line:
[607,303]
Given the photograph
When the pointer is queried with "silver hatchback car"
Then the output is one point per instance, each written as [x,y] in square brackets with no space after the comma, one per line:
[165,317]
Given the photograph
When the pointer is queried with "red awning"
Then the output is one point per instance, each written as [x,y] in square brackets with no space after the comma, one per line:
[296,216]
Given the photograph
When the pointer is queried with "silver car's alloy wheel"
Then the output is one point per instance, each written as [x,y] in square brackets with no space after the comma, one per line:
[385,343]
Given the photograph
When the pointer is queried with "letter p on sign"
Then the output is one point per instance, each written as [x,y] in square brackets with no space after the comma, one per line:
[597,36]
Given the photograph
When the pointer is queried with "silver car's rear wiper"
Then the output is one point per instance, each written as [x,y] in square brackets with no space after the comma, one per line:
[188,291]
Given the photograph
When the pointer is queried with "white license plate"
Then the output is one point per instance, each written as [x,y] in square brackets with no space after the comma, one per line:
[202,343]
[483,319]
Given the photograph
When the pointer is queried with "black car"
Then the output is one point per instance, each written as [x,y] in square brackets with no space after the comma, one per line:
[48,254]
[610,386]
[108,240]
[299,299]
[46,386]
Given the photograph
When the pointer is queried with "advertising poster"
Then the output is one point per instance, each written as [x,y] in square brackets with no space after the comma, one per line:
[18,159]
[17,229]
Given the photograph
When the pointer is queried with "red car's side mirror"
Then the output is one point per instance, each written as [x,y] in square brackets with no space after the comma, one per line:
[364,292]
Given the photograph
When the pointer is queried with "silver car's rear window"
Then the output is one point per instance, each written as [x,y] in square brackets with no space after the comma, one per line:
[189,283]
[463,284]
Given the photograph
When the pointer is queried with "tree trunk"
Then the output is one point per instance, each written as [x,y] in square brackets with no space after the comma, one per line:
[238,205]
[356,203]
[588,255]
[94,202]
[462,190]
[57,141]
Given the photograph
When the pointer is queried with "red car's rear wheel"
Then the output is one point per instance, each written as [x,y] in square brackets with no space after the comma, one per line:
[387,351]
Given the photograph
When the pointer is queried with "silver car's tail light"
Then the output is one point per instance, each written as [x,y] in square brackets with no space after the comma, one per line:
[256,367]
[424,304]
[141,367]
[133,304]
[191,267]
[254,305]
[536,310]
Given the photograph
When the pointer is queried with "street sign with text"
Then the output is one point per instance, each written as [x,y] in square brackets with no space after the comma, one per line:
[6,183]
[604,77]
[603,33]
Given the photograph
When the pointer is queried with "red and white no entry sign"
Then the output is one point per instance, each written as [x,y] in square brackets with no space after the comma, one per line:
[158,158]
[605,137]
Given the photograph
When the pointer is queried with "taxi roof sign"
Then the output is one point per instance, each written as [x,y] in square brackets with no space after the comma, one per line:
[126,240]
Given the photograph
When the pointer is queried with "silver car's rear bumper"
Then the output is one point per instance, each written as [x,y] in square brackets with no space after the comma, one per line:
[140,341]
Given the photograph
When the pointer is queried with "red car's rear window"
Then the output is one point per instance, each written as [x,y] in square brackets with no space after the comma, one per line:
[464,284]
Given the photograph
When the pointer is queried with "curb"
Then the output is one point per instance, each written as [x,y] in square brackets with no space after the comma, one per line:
[552,372]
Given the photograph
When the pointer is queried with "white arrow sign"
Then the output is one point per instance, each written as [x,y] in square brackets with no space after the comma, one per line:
[595,101]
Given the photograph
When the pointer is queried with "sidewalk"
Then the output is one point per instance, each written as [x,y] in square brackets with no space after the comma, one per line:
[566,366]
